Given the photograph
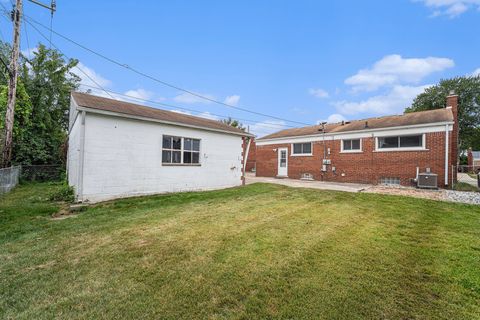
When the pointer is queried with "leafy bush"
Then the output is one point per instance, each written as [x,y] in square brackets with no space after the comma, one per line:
[63,193]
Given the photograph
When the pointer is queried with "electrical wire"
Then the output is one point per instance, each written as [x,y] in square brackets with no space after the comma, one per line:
[80,69]
[186,109]
[141,73]
[109,93]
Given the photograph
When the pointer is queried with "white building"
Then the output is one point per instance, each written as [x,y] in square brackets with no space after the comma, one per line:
[119,149]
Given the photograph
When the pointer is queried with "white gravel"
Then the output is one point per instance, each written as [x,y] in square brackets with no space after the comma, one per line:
[463,196]
[439,195]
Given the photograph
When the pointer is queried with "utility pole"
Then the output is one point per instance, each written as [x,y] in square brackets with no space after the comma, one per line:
[13,76]
[12,85]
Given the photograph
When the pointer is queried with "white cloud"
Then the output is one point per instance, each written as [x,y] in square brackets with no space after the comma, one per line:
[333,118]
[475,73]
[206,114]
[141,94]
[90,77]
[392,102]
[318,93]
[232,100]
[450,8]
[393,70]
[30,52]
[190,99]
[266,127]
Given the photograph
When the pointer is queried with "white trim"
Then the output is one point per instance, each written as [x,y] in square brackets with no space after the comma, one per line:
[447,149]
[301,154]
[422,148]
[342,150]
[278,162]
[128,116]
[403,130]
[81,160]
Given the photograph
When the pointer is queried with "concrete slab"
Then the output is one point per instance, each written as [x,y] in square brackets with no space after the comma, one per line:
[323,185]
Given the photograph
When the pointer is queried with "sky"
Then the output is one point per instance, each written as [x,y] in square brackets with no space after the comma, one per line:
[301,62]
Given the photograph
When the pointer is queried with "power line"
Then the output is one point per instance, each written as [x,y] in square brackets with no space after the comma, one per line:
[126,66]
[108,92]
[86,74]
[187,109]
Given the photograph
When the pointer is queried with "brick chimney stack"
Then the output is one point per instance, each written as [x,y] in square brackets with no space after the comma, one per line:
[452,103]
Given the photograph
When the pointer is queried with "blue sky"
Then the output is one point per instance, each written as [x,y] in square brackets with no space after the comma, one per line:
[304,61]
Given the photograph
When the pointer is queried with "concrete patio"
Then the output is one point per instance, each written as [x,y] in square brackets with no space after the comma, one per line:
[323,185]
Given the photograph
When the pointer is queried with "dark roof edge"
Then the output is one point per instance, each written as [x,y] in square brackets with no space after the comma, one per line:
[142,118]
[419,125]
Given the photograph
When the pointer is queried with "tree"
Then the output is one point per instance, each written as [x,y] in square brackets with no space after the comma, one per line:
[23,121]
[45,83]
[48,80]
[468,91]
[233,123]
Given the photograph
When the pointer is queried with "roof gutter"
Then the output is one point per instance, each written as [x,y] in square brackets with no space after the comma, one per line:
[358,131]
[128,116]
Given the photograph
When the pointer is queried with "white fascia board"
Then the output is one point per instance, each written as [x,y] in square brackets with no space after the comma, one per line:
[404,130]
[128,116]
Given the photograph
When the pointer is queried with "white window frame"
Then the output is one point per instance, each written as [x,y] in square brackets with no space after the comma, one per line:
[182,150]
[301,154]
[353,150]
[422,148]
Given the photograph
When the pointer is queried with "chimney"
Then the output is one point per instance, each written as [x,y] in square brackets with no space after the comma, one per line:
[452,103]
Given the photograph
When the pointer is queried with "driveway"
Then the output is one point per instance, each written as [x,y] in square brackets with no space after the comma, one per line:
[464,177]
[336,186]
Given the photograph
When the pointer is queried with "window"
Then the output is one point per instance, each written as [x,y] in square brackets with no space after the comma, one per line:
[178,150]
[302,148]
[351,145]
[390,181]
[398,142]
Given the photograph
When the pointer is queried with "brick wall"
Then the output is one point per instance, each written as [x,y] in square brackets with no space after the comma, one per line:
[252,155]
[470,157]
[368,166]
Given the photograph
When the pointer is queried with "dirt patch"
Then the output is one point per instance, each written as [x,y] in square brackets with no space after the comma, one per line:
[64,213]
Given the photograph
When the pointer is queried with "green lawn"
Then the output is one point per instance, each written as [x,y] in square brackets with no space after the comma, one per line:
[261,251]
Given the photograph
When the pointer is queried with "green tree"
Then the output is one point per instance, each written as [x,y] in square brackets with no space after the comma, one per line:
[22,123]
[48,80]
[468,91]
[234,123]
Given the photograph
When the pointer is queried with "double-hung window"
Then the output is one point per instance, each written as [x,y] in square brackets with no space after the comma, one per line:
[300,149]
[351,145]
[179,150]
[401,142]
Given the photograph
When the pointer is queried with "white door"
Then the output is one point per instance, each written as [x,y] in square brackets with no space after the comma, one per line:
[282,162]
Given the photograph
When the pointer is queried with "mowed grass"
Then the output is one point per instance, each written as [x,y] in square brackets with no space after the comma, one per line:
[260,251]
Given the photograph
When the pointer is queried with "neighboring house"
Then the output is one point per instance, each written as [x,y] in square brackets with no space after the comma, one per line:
[474,159]
[119,149]
[388,150]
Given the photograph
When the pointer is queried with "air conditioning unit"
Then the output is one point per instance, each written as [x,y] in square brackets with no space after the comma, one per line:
[427,180]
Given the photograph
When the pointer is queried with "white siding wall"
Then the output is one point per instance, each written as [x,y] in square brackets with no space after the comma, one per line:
[123,157]
[73,158]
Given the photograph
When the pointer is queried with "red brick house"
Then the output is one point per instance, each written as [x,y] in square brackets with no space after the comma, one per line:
[473,159]
[390,150]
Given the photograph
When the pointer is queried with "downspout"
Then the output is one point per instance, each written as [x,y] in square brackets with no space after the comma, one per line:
[81,157]
[245,159]
[446,154]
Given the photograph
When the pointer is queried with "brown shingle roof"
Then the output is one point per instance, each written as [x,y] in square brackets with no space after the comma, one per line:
[414,118]
[105,104]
